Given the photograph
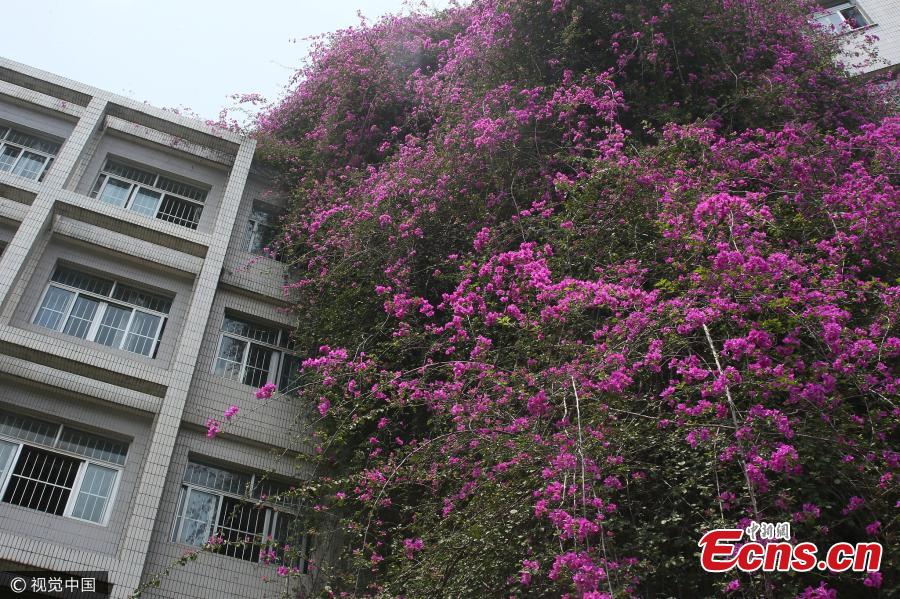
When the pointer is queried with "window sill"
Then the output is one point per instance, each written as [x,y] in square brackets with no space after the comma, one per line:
[851,32]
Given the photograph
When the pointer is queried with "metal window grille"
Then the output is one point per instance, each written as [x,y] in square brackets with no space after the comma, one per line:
[150,194]
[94,318]
[181,212]
[213,500]
[250,330]
[243,524]
[254,353]
[93,446]
[42,480]
[82,280]
[28,429]
[262,230]
[220,479]
[24,154]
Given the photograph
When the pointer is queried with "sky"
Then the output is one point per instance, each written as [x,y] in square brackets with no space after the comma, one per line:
[178,53]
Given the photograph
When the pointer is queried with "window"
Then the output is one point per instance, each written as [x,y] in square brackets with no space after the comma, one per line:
[104,311]
[149,193]
[57,469]
[262,228]
[24,154]
[214,501]
[255,354]
[843,18]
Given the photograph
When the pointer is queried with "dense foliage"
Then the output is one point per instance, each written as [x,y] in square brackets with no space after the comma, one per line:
[578,281]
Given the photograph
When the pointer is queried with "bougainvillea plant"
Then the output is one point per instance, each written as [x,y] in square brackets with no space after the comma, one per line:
[578,281]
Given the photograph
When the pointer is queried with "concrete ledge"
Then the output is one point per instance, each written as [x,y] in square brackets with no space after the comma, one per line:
[18,94]
[168,141]
[11,210]
[30,373]
[70,357]
[155,231]
[118,242]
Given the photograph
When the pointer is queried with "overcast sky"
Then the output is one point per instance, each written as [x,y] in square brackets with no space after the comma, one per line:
[177,53]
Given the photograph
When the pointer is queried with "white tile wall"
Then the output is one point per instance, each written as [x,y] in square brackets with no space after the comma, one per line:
[162,403]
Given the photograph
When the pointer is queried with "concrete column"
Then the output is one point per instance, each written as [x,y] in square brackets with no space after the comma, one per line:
[40,213]
[136,540]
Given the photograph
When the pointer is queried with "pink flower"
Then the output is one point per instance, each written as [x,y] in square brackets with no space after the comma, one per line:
[212,427]
[266,391]
[854,504]
[230,412]
[874,528]
[324,406]
[412,546]
[873,580]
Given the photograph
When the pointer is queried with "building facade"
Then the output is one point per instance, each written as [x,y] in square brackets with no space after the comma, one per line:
[134,305]
[856,21]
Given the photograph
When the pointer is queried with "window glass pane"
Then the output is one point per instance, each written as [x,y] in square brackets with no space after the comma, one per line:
[7,450]
[287,531]
[142,334]
[28,429]
[290,372]
[252,242]
[46,168]
[30,165]
[112,327]
[261,231]
[854,18]
[97,186]
[115,192]
[182,494]
[231,354]
[8,157]
[142,299]
[263,239]
[831,21]
[145,202]
[54,306]
[94,493]
[3,131]
[93,446]
[241,522]
[81,280]
[81,317]
[213,477]
[197,520]
[259,361]
[42,480]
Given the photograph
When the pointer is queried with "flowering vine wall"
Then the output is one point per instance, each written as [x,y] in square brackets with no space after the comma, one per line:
[578,281]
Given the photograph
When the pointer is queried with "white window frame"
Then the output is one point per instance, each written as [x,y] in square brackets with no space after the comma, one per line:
[844,26]
[276,362]
[269,524]
[76,484]
[97,319]
[48,158]
[134,186]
